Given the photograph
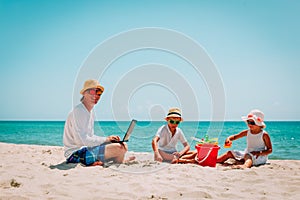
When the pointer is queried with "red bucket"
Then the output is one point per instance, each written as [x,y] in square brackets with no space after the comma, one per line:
[207,154]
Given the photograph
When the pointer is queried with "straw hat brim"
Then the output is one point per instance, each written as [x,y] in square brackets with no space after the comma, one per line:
[97,87]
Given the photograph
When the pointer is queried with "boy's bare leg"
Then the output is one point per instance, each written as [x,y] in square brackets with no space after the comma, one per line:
[185,161]
[190,152]
[189,157]
[168,157]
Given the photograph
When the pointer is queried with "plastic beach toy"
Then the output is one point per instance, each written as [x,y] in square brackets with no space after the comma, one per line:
[207,154]
[228,144]
[206,140]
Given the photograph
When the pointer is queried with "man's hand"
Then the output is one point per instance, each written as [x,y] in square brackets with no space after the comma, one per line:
[113,138]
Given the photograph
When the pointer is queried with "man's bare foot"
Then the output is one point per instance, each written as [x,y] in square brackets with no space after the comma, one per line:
[130,158]
[97,163]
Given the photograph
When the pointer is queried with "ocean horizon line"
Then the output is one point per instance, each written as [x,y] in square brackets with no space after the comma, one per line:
[50,120]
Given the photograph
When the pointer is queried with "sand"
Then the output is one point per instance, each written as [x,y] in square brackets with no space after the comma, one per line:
[39,172]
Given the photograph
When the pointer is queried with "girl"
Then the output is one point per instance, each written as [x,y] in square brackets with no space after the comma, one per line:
[259,144]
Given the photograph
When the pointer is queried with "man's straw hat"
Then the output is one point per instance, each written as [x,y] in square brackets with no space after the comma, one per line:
[89,84]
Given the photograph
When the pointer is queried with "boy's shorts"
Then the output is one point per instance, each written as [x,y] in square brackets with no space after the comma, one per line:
[88,155]
[169,152]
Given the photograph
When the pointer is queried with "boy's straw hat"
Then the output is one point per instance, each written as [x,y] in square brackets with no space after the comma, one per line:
[174,112]
[91,83]
[257,116]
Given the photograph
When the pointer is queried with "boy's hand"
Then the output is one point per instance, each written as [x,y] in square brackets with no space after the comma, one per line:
[177,154]
[157,156]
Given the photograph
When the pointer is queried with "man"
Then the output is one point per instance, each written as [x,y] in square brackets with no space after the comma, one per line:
[80,142]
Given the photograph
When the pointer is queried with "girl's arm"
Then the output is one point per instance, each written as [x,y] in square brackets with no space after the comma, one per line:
[268,144]
[236,136]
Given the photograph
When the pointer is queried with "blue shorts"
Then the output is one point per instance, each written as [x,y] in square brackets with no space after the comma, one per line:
[88,155]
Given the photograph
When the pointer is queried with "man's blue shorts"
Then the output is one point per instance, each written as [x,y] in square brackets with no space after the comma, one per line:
[88,155]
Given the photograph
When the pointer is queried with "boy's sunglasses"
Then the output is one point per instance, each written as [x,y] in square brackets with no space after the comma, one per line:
[95,92]
[251,122]
[174,122]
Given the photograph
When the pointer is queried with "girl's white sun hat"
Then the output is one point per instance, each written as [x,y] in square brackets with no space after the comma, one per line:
[257,116]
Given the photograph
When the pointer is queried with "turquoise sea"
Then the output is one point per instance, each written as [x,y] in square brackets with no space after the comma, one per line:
[285,136]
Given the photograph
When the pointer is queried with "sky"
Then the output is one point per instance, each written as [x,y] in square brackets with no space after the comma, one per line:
[247,54]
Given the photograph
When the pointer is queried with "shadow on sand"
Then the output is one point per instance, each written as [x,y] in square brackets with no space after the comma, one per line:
[64,166]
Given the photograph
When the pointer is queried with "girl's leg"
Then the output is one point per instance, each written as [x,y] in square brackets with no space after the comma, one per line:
[248,161]
[247,164]
[224,157]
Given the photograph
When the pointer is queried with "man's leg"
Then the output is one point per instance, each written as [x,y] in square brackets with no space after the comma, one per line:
[115,152]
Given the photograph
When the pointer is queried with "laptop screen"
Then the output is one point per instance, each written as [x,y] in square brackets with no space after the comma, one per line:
[129,130]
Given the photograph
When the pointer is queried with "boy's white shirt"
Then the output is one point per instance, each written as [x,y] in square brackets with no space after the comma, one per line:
[166,141]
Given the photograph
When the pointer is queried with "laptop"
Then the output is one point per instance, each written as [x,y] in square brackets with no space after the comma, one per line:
[128,132]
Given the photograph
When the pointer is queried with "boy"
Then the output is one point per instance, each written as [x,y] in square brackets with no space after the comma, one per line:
[165,141]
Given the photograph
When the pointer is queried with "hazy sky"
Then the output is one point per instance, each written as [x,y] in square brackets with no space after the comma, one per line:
[254,45]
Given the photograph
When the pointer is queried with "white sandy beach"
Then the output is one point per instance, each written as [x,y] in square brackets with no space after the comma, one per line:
[39,172]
